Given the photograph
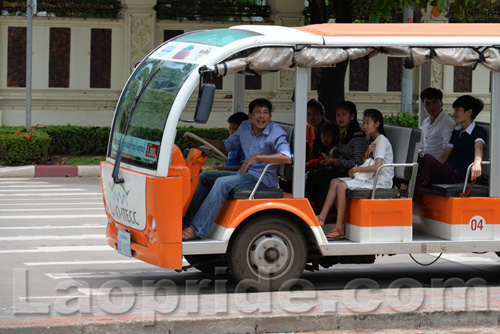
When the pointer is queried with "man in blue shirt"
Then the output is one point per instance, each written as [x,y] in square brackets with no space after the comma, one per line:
[465,147]
[262,142]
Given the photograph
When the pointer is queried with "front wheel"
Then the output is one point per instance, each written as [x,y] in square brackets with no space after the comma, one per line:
[268,254]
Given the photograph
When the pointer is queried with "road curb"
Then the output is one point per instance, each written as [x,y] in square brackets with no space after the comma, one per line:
[50,171]
[267,324]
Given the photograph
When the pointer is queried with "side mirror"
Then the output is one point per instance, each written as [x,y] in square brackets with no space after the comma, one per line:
[204,104]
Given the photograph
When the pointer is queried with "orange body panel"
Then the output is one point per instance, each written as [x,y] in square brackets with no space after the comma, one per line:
[163,247]
[457,211]
[380,212]
[403,30]
[235,211]
[194,161]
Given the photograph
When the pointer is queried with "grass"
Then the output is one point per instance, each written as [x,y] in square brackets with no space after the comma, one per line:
[85,160]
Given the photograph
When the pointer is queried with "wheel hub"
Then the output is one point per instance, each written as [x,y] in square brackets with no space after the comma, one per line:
[269,254]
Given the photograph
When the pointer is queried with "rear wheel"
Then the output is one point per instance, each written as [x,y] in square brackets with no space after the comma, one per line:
[268,254]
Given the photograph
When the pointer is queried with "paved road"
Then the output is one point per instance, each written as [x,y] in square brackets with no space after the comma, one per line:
[57,269]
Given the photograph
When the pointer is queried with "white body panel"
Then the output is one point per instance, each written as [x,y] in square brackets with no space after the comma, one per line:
[126,201]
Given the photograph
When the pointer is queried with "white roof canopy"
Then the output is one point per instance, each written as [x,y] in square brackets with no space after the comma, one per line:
[267,59]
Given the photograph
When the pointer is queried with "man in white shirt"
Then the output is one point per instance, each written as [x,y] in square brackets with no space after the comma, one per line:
[437,128]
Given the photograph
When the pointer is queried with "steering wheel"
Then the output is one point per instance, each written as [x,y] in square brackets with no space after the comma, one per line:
[207,147]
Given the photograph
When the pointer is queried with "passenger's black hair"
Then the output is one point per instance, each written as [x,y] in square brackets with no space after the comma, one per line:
[315,104]
[237,118]
[469,102]
[431,94]
[354,125]
[260,103]
[329,127]
[377,117]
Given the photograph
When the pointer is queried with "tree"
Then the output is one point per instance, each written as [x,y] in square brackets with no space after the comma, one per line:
[330,85]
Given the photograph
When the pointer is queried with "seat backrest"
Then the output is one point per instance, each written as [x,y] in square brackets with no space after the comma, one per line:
[405,144]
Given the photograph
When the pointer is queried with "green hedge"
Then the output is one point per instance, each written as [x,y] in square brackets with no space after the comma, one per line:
[19,147]
[403,119]
[77,140]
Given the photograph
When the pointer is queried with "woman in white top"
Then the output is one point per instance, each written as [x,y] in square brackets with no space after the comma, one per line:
[381,149]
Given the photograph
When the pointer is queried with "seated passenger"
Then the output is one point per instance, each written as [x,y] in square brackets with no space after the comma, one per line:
[315,118]
[352,146]
[381,150]
[465,147]
[262,142]
[236,157]
[329,134]
[437,128]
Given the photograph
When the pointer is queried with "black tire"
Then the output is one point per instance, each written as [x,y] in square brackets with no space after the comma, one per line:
[206,263]
[268,254]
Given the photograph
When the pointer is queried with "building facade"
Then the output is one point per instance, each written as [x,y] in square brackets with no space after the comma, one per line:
[80,66]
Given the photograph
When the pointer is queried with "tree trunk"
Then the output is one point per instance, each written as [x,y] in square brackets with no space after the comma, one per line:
[331,81]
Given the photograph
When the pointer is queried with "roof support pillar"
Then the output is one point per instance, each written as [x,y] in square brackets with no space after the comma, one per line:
[239,93]
[425,82]
[494,145]
[299,134]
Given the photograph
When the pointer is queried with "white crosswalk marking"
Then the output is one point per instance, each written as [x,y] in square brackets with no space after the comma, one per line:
[58,249]
[54,216]
[48,227]
[31,190]
[53,237]
[50,194]
[51,203]
[46,209]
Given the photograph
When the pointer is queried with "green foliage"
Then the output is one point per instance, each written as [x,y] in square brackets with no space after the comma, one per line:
[77,140]
[20,147]
[85,160]
[66,8]
[214,133]
[402,119]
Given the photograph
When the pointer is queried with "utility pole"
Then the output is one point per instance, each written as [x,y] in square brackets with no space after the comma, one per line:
[406,74]
[30,11]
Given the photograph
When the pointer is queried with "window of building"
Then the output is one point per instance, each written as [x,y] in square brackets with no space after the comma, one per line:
[394,72]
[16,57]
[59,57]
[253,82]
[359,74]
[169,34]
[100,58]
[462,79]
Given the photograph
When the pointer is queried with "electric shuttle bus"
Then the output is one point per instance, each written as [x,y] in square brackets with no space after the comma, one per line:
[268,239]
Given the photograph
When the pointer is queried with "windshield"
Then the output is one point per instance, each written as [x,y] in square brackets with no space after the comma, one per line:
[159,81]
[216,37]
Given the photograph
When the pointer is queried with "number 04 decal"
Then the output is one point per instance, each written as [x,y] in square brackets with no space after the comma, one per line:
[477,223]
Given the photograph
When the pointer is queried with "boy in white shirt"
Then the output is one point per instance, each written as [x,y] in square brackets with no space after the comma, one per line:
[437,128]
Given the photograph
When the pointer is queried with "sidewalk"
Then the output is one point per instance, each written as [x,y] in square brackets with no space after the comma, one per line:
[50,171]
[417,310]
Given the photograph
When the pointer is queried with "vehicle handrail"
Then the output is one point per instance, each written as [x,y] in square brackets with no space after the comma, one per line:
[259,181]
[467,175]
[411,186]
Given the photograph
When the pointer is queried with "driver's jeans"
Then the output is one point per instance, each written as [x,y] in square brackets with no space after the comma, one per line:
[212,191]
